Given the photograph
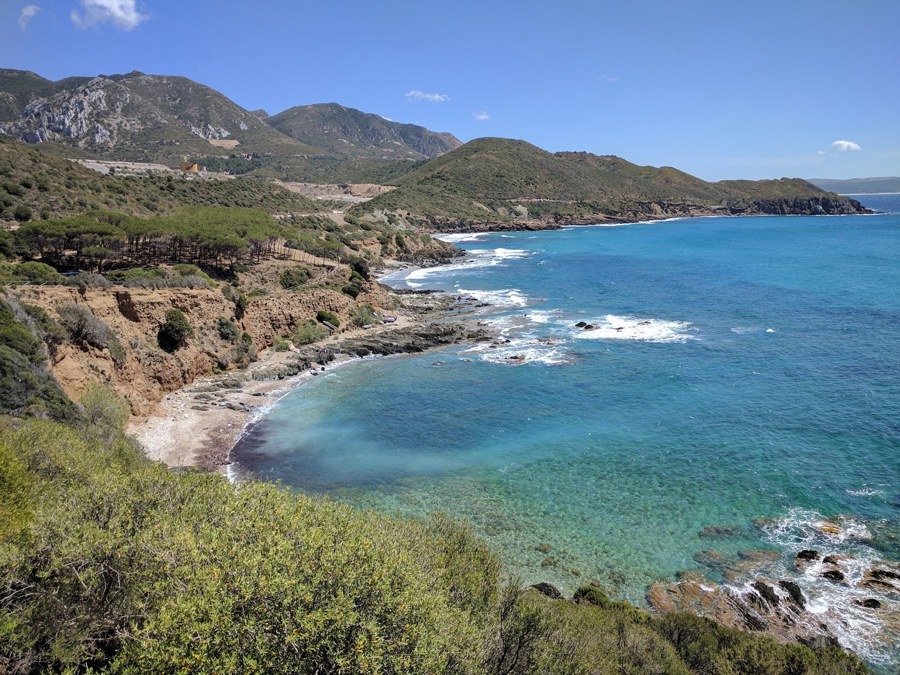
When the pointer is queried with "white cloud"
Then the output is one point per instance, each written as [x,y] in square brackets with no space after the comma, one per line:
[416,95]
[28,12]
[821,152]
[481,116]
[120,13]
[611,78]
[844,146]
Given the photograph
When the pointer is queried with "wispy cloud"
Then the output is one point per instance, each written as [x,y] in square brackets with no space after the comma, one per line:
[845,146]
[28,12]
[416,95]
[609,77]
[120,13]
[481,116]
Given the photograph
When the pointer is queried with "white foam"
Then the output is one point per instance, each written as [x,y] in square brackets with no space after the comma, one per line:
[474,260]
[612,327]
[456,237]
[839,605]
[505,297]
[521,350]
[865,492]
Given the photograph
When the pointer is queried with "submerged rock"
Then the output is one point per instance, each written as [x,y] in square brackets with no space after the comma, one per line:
[719,531]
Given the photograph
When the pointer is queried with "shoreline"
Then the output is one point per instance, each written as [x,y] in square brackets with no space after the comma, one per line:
[201,423]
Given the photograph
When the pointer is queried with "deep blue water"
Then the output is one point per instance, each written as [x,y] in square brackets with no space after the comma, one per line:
[735,369]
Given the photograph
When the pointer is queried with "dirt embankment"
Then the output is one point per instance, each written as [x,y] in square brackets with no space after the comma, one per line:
[141,372]
[352,193]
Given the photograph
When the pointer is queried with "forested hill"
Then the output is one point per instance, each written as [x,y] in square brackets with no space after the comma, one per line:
[497,182]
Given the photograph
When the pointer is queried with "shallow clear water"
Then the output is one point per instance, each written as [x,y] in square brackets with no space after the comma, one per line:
[733,369]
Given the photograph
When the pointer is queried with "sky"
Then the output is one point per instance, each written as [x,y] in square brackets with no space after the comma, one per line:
[718,88]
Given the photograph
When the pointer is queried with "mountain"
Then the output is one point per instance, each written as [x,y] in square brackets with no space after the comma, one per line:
[345,131]
[858,186]
[136,117]
[496,182]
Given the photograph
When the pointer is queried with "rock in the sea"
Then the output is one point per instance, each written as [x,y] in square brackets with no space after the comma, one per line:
[869,603]
[712,559]
[805,557]
[794,592]
[833,575]
[881,579]
[581,324]
[766,592]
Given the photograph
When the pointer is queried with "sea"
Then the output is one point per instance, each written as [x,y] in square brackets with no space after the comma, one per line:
[656,391]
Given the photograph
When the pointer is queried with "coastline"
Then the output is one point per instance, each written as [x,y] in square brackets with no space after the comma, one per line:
[199,424]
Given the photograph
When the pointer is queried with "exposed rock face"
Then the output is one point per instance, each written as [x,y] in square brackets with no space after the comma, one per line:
[138,116]
[134,315]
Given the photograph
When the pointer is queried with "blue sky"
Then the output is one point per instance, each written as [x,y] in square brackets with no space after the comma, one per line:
[718,88]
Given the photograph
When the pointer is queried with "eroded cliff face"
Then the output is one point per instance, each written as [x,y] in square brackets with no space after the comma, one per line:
[141,372]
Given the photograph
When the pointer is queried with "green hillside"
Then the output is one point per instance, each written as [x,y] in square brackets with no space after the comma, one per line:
[347,132]
[501,182]
[35,184]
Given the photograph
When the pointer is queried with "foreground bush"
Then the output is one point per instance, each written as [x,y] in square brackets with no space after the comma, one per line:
[112,563]
[130,567]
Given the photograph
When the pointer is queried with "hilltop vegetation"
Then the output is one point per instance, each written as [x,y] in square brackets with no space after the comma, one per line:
[493,181]
[347,132]
[34,184]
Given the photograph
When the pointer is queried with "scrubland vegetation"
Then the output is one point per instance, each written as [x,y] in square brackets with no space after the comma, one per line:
[112,563]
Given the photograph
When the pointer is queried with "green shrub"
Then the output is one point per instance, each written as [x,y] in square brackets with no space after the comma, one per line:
[174,332]
[592,596]
[227,329]
[84,328]
[307,333]
[363,315]
[133,568]
[105,413]
[324,315]
[38,272]
[295,276]
[279,344]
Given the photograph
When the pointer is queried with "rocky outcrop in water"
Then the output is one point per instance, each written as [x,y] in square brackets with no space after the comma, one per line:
[752,597]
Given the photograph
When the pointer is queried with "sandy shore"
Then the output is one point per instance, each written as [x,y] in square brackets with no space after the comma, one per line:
[200,424]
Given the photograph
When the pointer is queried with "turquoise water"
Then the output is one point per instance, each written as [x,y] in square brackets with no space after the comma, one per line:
[732,370]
